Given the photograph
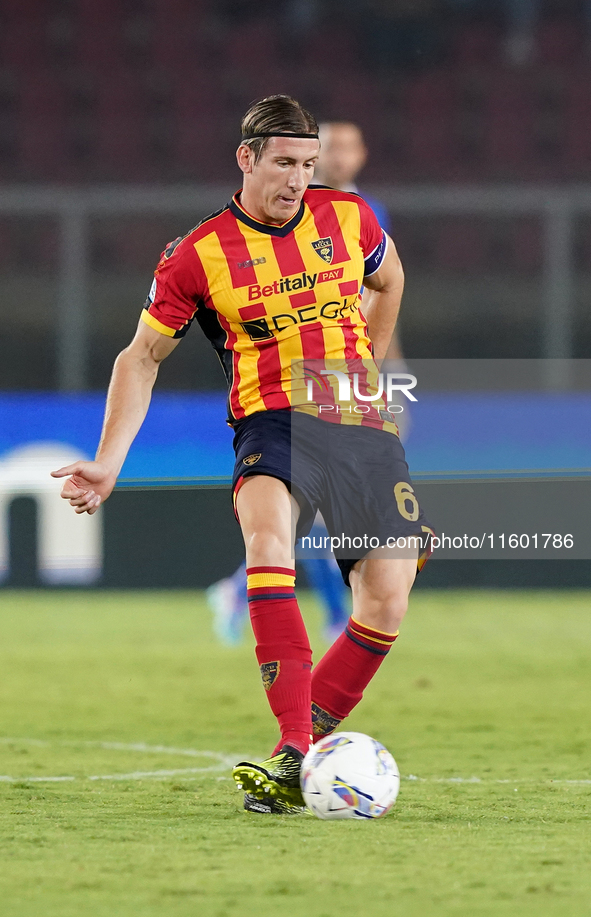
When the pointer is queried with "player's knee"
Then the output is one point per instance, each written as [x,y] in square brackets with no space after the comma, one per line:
[268,549]
[380,600]
[384,613]
[391,612]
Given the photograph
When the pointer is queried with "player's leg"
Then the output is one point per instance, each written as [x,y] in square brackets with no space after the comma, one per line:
[266,512]
[380,587]
[370,498]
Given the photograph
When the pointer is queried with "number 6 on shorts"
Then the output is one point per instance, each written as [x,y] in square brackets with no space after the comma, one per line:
[404,495]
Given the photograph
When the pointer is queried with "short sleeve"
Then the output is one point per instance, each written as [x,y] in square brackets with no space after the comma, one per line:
[176,290]
[373,239]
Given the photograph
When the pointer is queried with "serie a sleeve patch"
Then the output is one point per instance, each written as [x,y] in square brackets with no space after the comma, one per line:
[374,260]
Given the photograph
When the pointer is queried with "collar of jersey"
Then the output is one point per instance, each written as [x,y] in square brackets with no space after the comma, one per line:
[240,213]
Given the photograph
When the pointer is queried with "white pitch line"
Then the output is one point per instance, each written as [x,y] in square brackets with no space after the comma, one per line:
[222,762]
[163,774]
[115,746]
[485,781]
[6,779]
[7,741]
[138,775]
[150,749]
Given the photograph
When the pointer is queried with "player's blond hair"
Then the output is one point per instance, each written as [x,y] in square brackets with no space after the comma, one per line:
[275,113]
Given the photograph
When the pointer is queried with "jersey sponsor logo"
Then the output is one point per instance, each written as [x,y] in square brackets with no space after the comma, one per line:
[261,329]
[257,329]
[323,247]
[252,459]
[283,285]
[152,293]
[335,274]
[252,263]
[269,674]
[291,284]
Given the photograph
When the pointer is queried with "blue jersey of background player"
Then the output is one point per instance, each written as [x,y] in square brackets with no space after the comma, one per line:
[343,154]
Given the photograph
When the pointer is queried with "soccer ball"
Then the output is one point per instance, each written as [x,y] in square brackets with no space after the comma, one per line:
[349,775]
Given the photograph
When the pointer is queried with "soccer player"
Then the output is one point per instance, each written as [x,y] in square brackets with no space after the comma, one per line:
[273,279]
[343,155]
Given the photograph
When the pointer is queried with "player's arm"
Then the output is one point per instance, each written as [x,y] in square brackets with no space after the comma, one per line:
[381,301]
[128,399]
[167,314]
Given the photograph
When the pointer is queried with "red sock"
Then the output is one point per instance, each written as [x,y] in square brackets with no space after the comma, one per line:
[344,672]
[283,651]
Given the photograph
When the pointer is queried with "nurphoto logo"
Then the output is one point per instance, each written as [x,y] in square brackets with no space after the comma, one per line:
[354,387]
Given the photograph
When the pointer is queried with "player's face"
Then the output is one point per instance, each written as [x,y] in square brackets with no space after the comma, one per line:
[274,186]
[343,154]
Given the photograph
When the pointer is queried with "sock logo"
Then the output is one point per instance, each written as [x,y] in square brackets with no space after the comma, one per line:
[322,722]
[269,674]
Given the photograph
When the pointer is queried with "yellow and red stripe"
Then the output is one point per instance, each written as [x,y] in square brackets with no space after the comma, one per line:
[274,300]
[376,641]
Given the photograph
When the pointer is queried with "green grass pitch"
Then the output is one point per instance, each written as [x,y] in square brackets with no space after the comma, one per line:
[484,702]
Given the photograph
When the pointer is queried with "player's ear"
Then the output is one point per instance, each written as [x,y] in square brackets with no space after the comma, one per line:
[245,158]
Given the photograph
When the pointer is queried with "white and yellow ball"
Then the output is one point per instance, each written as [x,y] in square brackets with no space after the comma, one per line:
[349,775]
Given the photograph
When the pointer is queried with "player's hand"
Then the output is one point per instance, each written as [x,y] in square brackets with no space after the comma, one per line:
[88,484]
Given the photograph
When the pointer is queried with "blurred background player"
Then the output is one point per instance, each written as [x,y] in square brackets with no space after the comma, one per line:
[343,154]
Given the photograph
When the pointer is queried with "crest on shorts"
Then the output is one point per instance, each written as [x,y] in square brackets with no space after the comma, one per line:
[323,247]
[269,672]
[252,459]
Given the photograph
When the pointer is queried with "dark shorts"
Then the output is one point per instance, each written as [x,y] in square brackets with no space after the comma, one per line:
[356,476]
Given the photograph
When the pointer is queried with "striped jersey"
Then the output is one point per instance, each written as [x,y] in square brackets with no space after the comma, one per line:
[279,304]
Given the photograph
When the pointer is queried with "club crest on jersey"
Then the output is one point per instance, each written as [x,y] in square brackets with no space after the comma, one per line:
[269,672]
[323,247]
[252,459]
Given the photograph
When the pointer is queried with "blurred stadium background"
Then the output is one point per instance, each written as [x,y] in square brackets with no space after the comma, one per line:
[118,125]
